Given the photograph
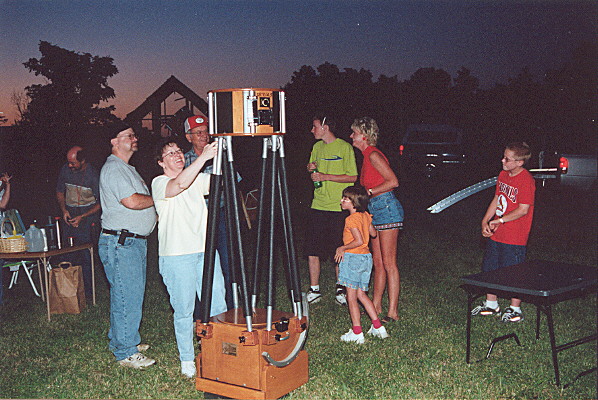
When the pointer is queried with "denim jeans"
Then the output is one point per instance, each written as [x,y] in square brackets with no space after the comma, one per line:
[500,255]
[125,267]
[81,235]
[222,249]
[182,276]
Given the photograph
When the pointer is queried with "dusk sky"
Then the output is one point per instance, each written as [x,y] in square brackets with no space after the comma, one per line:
[227,44]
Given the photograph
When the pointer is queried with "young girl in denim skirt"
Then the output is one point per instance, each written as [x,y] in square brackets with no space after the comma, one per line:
[355,263]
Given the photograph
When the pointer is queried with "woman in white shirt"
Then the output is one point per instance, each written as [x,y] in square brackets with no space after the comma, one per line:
[182,224]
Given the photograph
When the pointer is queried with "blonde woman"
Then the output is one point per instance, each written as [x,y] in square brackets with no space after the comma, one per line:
[379,180]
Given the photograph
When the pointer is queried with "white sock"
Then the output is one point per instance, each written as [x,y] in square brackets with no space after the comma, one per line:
[516,309]
[315,288]
[492,304]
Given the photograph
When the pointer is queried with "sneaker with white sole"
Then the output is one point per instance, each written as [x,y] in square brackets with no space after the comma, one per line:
[188,368]
[483,309]
[379,333]
[352,337]
[313,296]
[341,297]
[511,315]
[137,361]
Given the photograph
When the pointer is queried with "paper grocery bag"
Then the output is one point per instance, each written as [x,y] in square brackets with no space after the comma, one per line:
[67,294]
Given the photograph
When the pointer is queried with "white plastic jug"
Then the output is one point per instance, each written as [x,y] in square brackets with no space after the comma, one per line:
[34,238]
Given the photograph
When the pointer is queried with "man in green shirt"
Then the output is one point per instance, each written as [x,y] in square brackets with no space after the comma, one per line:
[332,164]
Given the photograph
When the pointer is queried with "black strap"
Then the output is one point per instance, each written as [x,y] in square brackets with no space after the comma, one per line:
[125,234]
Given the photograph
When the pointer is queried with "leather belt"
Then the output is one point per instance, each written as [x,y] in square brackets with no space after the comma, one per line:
[123,233]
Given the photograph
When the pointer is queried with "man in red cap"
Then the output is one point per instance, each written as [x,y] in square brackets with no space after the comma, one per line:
[196,131]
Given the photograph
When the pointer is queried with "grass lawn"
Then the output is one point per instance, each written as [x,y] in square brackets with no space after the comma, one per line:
[423,358]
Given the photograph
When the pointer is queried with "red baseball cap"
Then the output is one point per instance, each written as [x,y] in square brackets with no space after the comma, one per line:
[194,122]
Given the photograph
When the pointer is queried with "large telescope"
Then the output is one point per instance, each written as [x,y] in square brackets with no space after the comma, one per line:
[251,352]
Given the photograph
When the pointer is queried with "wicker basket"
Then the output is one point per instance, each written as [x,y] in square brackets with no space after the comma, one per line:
[14,244]
[11,244]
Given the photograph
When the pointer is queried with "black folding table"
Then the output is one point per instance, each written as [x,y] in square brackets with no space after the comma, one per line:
[542,283]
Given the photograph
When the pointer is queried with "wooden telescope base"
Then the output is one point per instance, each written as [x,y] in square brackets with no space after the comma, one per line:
[231,362]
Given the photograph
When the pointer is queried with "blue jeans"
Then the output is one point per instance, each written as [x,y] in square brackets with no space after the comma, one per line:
[499,255]
[182,276]
[125,267]
[222,248]
[81,235]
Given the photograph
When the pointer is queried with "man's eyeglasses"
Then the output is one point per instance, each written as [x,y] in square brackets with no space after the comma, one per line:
[172,153]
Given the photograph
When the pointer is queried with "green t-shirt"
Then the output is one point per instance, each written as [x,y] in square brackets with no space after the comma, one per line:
[336,158]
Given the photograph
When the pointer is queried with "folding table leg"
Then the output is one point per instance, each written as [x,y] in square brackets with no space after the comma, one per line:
[555,361]
[537,322]
[41,282]
[470,300]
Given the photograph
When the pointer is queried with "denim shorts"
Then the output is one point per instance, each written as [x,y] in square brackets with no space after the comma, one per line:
[387,212]
[499,255]
[355,270]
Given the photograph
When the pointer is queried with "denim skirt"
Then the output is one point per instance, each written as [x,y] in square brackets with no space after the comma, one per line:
[355,270]
[387,212]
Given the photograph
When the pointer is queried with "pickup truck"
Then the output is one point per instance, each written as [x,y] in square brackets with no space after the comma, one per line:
[431,148]
[572,170]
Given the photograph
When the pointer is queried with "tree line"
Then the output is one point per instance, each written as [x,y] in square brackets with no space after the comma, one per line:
[555,112]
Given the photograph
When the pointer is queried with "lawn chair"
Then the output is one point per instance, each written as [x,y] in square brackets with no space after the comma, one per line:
[27,266]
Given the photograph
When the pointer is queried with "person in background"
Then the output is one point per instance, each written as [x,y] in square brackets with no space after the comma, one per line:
[196,132]
[387,214]
[4,191]
[507,223]
[4,198]
[182,227]
[78,195]
[128,217]
[355,263]
[332,167]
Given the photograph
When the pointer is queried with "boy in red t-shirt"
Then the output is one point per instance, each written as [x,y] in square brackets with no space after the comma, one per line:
[507,223]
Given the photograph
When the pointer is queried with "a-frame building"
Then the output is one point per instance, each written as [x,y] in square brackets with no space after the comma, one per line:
[153,105]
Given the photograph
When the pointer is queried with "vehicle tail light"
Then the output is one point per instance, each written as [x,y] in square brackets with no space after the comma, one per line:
[401,148]
[563,165]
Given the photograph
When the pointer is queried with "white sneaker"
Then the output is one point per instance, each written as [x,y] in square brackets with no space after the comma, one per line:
[341,298]
[137,361]
[379,333]
[188,368]
[352,337]
[143,347]
[313,296]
